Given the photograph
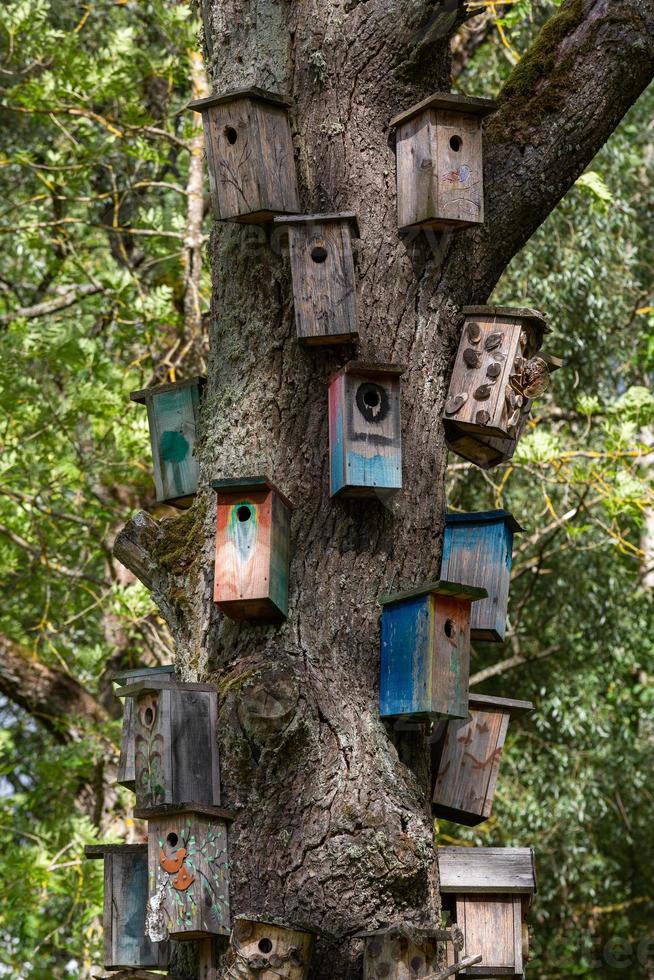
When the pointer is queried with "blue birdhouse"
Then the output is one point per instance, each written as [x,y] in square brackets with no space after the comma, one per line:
[425,651]
[478,550]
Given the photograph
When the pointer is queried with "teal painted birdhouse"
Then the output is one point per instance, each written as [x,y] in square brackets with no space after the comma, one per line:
[126,772]
[175,749]
[478,550]
[365,438]
[173,411]
[425,651]
[126,945]
[253,522]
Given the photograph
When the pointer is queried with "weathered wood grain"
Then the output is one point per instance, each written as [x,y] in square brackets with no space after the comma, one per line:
[398,956]
[492,926]
[483,870]
[126,773]
[271,949]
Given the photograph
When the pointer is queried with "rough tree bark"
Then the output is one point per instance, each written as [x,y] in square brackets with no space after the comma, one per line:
[333,824]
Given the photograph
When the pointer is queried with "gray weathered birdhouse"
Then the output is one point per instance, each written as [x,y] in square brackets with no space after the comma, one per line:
[173,413]
[365,437]
[478,550]
[324,281]
[466,759]
[488,891]
[271,949]
[497,374]
[403,952]
[175,748]
[250,159]
[439,162]
[126,945]
[126,773]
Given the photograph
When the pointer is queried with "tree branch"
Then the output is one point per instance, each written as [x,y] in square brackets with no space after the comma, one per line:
[53,305]
[505,665]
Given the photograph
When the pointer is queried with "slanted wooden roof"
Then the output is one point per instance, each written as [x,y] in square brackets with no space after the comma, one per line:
[487,870]
[453,589]
[450,102]
[254,93]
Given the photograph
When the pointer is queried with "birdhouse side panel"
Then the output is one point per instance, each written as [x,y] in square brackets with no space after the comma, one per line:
[336,411]
[280,539]
[467,773]
[173,417]
[450,672]
[406,658]
[373,439]
[126,774]
[396,957]
[188,877]
[460,168]
[194,749]
[417,178]
[324,285]
[153,766]
[273,951]
[243,533]
[235,152]
[491,925]
[278,182]
[126,943]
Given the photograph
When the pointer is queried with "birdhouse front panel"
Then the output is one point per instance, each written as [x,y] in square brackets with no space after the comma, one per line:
[249,155]
[398,957]
[126,767]
[252,550]
[188,876]
[478,550]
[365,439]
[126,945]
[173,414]
[272,950]
[324,281]
[492,926]
[425,652]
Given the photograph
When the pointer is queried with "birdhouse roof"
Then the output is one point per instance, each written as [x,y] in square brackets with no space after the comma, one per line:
[370,368]
[240,485]
[96,851]
[132,975]
[453,589]
[320,219]
[253,93]
[484,517]
[450,102]
[487,870]
[510,312]
[180,809]
[409,931]
[138,672]
[267,920]
[150,685]
[144,394]
[511,707]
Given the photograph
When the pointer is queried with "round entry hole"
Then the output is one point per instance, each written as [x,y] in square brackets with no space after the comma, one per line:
[265,945]
[456,143]
[172,839]
[148,716]
[449,628]
[416,963]
[243,513]
[318,253]
[231,134]
[371,398]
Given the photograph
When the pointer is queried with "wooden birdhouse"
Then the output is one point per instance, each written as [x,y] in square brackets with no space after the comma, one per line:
[252,549]
[247,137]
[466,759]
[175,748]
[173,411]
[271,949]
[322,270]
[498,372]
[188,874]
[126,772]
[402,952]
[126,945]
[425,651]
[365,439]
[439,162]
[478,550]
[488,891]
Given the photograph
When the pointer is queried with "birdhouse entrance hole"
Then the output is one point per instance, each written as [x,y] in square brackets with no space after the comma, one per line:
[416,963]
[148,717]
[449,628]
[456,143]
[231,134]
[372,401]
[319,253]
[265,945]
[243,513]
[172,839]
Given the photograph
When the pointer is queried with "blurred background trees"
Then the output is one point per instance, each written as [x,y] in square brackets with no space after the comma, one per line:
[102,290]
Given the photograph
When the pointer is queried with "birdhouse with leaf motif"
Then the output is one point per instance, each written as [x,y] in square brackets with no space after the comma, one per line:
[126,945]
[488,891]
[478,550]
[322,270]
[271,949]
[126,773]
[252,549]
[439,162]
[188,874]
[425,651]
[466,759]
[175,748]
[498,372]
[365,439]
[247,137]
[173,412]
[403,952]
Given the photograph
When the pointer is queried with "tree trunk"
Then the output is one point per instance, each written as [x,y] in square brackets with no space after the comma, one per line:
[333,823]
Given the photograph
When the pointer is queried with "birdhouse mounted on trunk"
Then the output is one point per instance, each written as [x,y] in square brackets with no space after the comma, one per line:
[322,270]
[175,748]
[188,874]
[425,651]
[271,949]
[497,373]
[403,952]
[478,550]
[126,772]
[252,549]
[126,945]
[466,759]
[439,162]
[250,159]
[173,411]
[488,891]
[365,439]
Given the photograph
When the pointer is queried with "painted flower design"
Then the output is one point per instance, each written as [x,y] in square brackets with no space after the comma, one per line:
[460,176]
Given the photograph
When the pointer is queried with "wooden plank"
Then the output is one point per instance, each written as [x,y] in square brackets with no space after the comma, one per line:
[126,773]
[459,168]
[450,102]
[278,183]
[280,554]
[440,587]
[488,925]
[417,177]
[451,656]
[252,92]
[280,951]
[173,418]
[510,312]
[243,534]
[482,870]
[399,957]
[194,749]
[318,219]
[143,395]
[513,707]
[249,484]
